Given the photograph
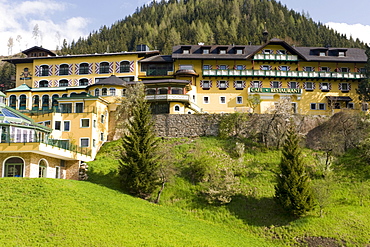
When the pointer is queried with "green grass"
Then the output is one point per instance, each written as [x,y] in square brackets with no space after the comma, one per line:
[51,212]
[346,218]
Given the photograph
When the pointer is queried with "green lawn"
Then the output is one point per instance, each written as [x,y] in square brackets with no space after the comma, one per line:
[52,212]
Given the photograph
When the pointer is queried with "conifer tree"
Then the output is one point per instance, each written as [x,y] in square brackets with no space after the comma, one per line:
[139,162]
[293,191]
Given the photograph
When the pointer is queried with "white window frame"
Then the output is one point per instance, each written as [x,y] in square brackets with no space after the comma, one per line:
[326,86]
[310,88]
[174,108]
[206,100]
[222,99]
[88,142]
[313,106]
[69,125]
[186,67]
[88,121]
[319,106]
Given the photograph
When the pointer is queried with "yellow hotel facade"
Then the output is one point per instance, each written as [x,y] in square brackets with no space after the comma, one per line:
[76,96]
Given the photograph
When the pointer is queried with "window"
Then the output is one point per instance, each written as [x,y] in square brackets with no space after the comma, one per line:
[84,142]
[151,91]
[341,54]
[365,107]
[43,83]
[308,68]
[350,105]
[14,167]
[322,106]
[239,85]
[186,67]
[124,92]
[267,51]
[206,84]
[22,102]
[94,143]
[239,67]
[104,92]
[83,82]
[102,118]
[85,122]
[325,69]
[44,70]
[223,67]
[206,66]
[112,91]
[186,51]
[79,108]
[206,100]
[57,172]
[222,84]
[63,69]
[322,54]
[313,106]
[45,102]
[256,84]
[104,68]
[309,85]
[67,125]
[94,123]
[97,92]
[344,86]
[265,67]
[57,125]
[205,51]
[325,86]
[344,70]
[66,107]
[63,83]
[42,169]
[281,52]
[84,69]
[176,91]
[35,102]
[163,90]
[177,108]
[124,67]
[362,70]
[222,51]
[239,51]
[284,68]
[102,136]
[275,84]
[239,100]
[222,100]
[293,84]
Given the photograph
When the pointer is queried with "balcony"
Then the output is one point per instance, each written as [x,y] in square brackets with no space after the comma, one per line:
[280,73]
[167,97]
[277,57]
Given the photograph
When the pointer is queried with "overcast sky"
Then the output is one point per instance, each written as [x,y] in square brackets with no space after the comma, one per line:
[71,19]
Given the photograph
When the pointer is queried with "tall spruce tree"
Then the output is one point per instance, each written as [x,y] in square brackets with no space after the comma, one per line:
[293,191]
[139,162]
[364,85]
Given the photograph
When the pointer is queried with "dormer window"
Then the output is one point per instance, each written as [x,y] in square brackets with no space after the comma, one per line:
[222,51]
[341,54]
[281,52]
[322,53]
[185,51]
[239,51]
[267,51]
[205,50]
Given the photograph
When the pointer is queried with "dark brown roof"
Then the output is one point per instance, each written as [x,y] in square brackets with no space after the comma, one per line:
[162,81]
[351,54]
[38,49]
[157,59]
[112,80]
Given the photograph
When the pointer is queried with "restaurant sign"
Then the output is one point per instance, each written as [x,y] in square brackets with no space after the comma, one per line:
[276,90]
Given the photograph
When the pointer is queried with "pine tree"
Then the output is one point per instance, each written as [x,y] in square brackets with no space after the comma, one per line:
[364,85]
[138,161]
[293,191]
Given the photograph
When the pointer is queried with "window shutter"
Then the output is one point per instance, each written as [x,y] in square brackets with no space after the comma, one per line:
[57,69]
[37,71]
[117,67]
[56,83]
[90,81]
[50,72]
[110,67]
[36,84]
[97,68]
[70,83]
[132,66]
[91,68]
[77,69]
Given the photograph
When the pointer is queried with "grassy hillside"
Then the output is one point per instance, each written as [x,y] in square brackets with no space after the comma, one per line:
[344,192]
[52,212]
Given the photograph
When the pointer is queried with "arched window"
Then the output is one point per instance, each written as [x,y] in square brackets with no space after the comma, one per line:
[97,92]
[104,68]
[83,82]
[45,102]
[177,108]
[43,83]
[63,69]
[176,91]
[73,95]
[150,91]
[104,91]
[35,102]
[63,83]
[163,91]
[13,167]
[84,69]
[112,91]
[44,70]
[43,165]
[22,102]
[13,101]
[124,67]
[54,102]
[64,95]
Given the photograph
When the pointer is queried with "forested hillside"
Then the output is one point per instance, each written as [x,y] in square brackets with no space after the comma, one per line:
[164,24]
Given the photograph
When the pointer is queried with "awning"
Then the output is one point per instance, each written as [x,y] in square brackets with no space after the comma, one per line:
[339,98]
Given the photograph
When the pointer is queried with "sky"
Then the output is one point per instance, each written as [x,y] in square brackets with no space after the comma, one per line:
[47,23]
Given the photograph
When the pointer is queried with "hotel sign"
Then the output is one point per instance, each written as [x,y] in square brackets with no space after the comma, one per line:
[276,90]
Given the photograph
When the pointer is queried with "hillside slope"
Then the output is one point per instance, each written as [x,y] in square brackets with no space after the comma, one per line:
[52,212]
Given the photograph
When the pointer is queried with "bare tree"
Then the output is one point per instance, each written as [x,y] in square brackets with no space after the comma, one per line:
[36,33]
[19,39]
[10,45]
